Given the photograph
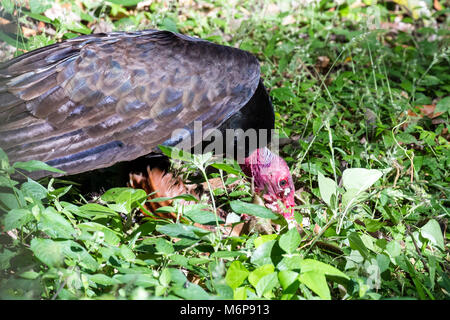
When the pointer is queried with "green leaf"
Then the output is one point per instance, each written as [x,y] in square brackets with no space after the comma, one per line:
[393,248]
[373,225]
[227,254]
[357,244]
[264,238]
[266,284]
[360,179]
[165,277]
[5,257]
[240,293]
[17,218]
[111,237]
[327,188]
[236,274]
[139,279]
[290,263]
[48,251]
[383,262]
[175,153]
[259,273]
[164,246]
[290,241]
[252,209]
[316,281]
[55,224]
[309,265]
[227,168]
[125,3]
[282,94]
[192,291]
[96,211]
[286,278]
[202,216]
[261,255]
[35,165]
[39,6]
[432,231]
[179,230]
[34,190]
[127,253]
[443,105]
[102,279]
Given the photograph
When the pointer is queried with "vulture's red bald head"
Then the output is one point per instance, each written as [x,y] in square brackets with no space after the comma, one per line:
[272,178]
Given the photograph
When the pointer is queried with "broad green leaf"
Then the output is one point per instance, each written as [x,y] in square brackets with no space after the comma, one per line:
[5,258]
[393,248]
[260,272]
[360,179]
[181,231]
[165,277]
[202,216]
[48,251]
[316,281]
[264,238]
[373,225]
[266,284]
[383,262]
[290,263]
[443,105]
[138,279]
[125,3]
[55,224]
[164,246]
[102,279]
[175,153]
[191,291]
[79,254]
[290,241]
[39,6]
[432,231]
[35,165]
[96,211]
[227,168]
[327,188]
[17,218]
[240,293]
[111,237]
[282,94]
[127,253]
[286,278]
[227,254]
[252,209]
[310,265]
[33,190]
[10,201]
[261,255]
[350,196]
[357,244]
[236,274]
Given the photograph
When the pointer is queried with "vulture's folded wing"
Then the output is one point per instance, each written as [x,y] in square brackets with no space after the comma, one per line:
[94,100]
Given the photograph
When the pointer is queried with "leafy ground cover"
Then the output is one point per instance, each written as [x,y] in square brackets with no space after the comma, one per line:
[361,93]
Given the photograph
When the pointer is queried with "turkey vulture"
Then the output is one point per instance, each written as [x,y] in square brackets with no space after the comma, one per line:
[95,100]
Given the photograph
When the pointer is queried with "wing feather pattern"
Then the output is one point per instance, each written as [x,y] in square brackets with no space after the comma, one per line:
[94,100]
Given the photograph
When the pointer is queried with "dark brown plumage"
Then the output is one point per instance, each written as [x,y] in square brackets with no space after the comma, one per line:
[92,101]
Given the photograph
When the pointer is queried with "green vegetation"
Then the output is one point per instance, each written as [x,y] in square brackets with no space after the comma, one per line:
[371,167]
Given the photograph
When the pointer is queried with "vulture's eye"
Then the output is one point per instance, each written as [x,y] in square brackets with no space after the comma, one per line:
[283,183]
